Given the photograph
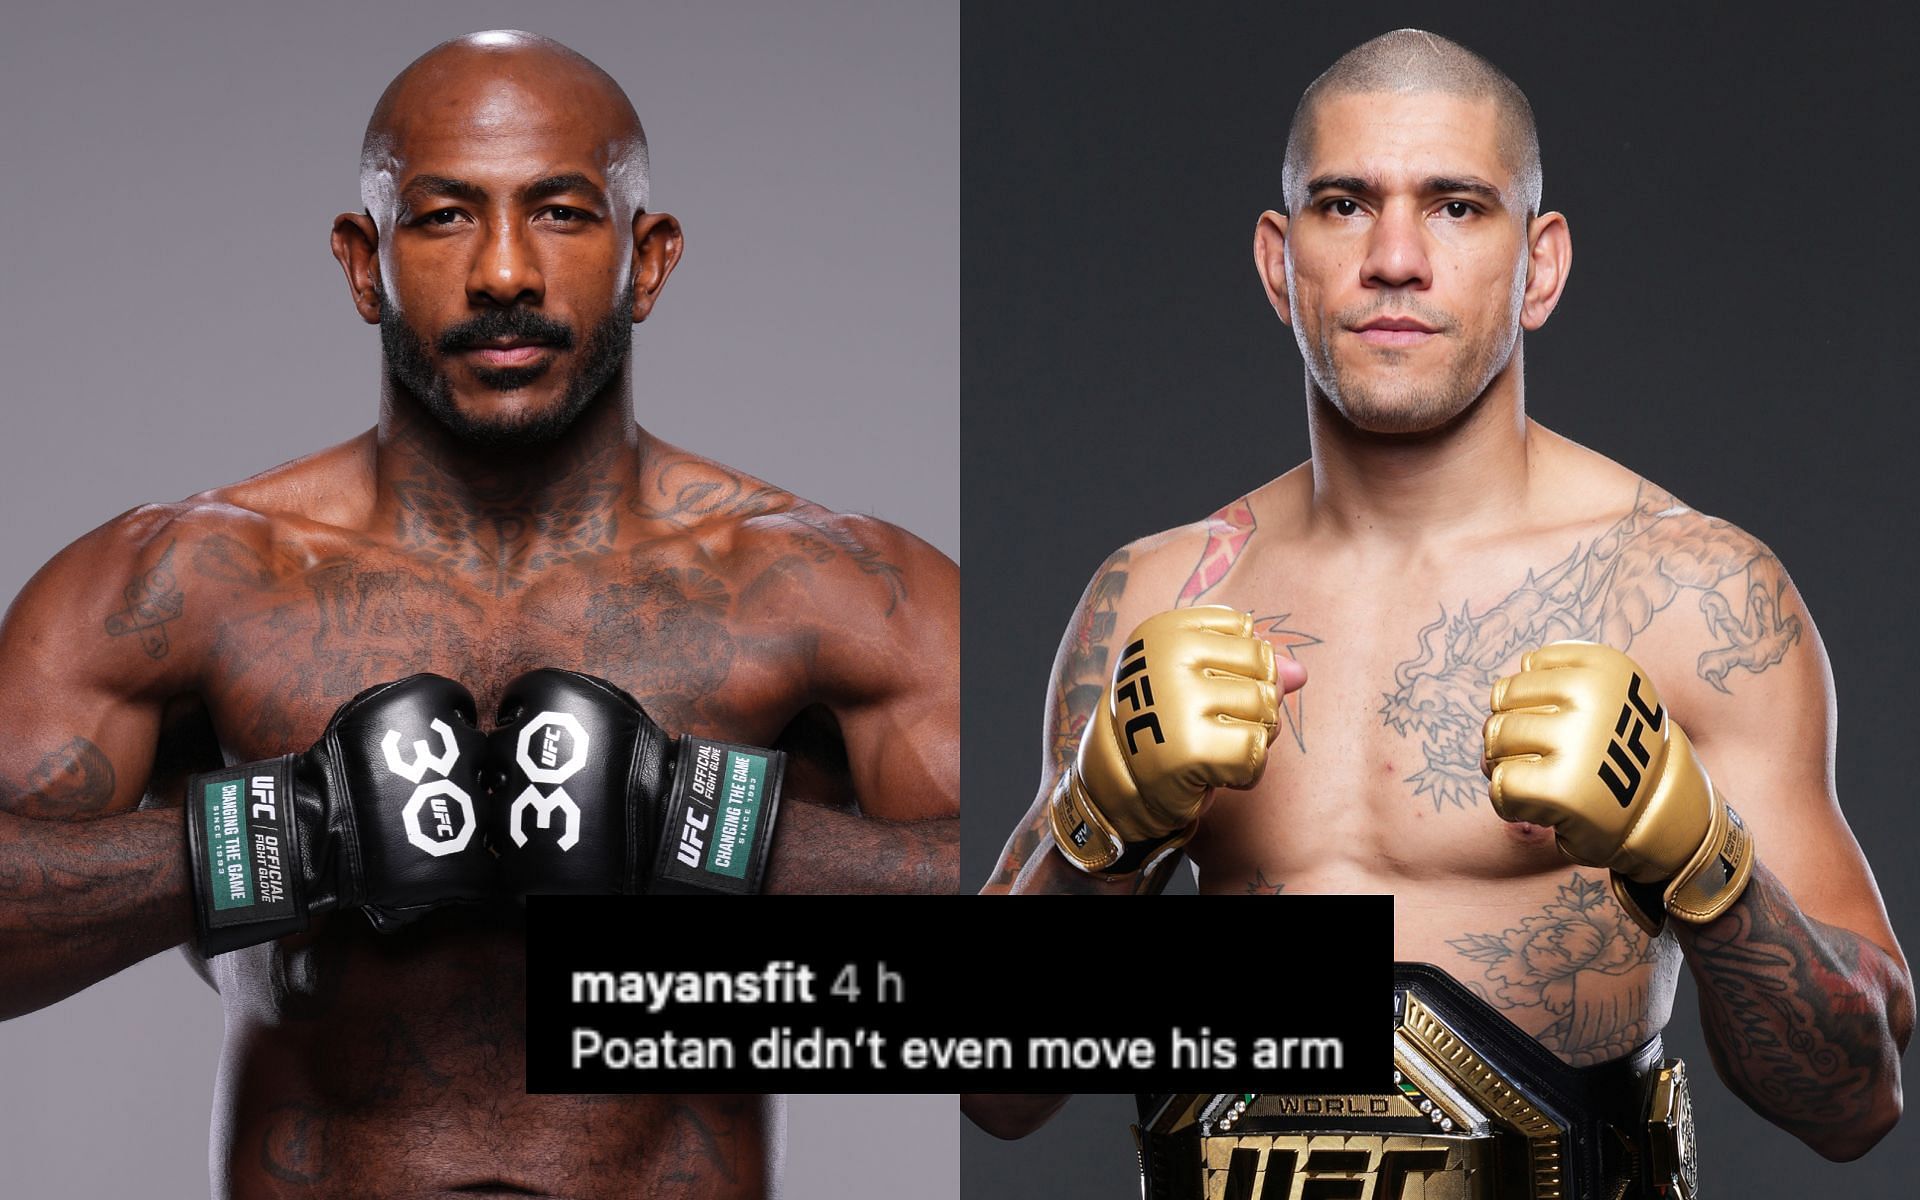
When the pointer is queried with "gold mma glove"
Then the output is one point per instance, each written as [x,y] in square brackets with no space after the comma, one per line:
[1192,706]
[1578,740]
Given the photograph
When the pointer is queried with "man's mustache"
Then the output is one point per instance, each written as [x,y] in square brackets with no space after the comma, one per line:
[522,324]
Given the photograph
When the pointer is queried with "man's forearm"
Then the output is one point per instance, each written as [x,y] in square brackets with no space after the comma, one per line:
[825,850]
[80,900]
[1806,1021]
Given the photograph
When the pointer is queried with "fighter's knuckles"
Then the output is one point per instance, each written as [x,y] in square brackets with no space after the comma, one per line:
[1242,699]
[1204,618]
[1557,656]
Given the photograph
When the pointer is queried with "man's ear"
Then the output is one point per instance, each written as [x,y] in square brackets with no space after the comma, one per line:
[1270,260]
[1549,260]
[656,251]
[356,246]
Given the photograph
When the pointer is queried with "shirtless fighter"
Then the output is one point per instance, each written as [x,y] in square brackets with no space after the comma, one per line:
[506,514]
[1423,563]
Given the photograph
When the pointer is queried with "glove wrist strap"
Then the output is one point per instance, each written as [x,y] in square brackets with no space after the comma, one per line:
[244,855]
[1706,887]
[720,813]
[1090,842]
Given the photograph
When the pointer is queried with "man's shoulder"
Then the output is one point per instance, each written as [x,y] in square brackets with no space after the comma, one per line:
[774,535]
[130,574]
[1185,562]
[254,514]
[1600,491]
[1700,602]
[1651,522]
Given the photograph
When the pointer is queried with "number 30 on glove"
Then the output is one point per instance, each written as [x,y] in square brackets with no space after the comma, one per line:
[1578,740]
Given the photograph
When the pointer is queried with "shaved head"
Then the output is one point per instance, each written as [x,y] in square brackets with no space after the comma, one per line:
[506,250]
[1413,61]
[462,79]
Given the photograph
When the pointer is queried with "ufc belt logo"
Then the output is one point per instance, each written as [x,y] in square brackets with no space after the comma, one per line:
[548,770]
[437,798]
[1138,694]
[1628,751]
[1358,1172]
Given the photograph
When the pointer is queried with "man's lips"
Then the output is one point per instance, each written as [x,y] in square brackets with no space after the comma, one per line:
[1394,332]
[507,354]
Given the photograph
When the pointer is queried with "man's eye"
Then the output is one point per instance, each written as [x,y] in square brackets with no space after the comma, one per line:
[441,216]
[1342,206]
[565,215]
[1459,210]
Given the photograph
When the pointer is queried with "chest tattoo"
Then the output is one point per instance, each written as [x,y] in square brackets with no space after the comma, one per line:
[1606,591]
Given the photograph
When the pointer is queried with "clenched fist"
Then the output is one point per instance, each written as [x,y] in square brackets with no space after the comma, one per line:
[1578,740]
[1192,706]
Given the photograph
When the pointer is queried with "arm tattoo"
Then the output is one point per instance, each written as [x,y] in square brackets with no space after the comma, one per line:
[153,599]
[1806,1021]
[1021,848]
[81,900]
[1581,968]
[1606,591]
[822,540]
[72,783]
[1227,533]
[1083,663]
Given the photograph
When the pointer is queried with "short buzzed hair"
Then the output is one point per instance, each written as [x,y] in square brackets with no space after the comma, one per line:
[1412,60]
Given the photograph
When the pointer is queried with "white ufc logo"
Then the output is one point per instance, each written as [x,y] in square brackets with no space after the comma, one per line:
[435,796]
[546,771]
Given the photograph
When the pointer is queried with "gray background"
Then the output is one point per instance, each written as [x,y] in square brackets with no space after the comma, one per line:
[172,320]
[1740,193]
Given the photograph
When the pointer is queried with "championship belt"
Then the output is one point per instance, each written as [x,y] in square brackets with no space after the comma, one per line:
[1476,1110]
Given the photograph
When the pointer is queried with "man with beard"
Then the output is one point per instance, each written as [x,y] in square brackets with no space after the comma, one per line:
[506,516]
[1438,549]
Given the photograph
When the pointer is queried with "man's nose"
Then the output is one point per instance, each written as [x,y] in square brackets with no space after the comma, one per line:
[1397,249]
[506,267]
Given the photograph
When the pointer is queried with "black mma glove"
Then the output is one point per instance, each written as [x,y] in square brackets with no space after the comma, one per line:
[382,813]
[592,796]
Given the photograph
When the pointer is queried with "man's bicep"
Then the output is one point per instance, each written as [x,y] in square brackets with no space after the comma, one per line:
[1767,740]
[901,716]
[80,704]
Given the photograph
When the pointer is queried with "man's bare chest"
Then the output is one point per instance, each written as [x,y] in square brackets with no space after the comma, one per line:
[1374,771]
[287,645]
[1376,762]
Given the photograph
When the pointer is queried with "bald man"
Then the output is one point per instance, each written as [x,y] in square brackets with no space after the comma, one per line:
[1404,586]
[506,515]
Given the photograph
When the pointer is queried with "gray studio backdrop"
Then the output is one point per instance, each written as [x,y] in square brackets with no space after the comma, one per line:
[171,320]
[1736,327]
